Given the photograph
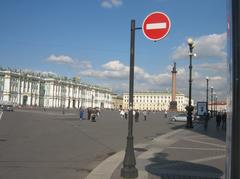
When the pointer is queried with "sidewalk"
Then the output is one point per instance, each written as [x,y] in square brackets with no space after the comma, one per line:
[180,154]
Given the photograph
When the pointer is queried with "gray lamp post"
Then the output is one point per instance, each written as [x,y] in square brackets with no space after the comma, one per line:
[211,101]
[189,108]
[129,170]
[207,79]
[216,104]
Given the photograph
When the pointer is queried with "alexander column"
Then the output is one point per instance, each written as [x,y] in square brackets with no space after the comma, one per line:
[173,103]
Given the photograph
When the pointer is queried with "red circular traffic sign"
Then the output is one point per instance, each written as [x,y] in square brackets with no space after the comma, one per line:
[156,26]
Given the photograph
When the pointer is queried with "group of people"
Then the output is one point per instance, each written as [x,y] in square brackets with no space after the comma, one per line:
[92,114]
[136,114]
[221,117]
[124,114]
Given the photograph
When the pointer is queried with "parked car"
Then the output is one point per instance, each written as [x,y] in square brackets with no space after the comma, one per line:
[179,117]
[7,107]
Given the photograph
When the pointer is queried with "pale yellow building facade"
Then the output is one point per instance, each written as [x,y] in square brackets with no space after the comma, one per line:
[158,101]
[117,101]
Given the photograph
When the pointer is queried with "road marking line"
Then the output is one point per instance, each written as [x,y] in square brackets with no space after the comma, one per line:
[207,159]
[153,26]
[208,143]
[195,148]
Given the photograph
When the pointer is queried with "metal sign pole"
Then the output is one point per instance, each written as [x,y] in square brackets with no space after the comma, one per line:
[129,170]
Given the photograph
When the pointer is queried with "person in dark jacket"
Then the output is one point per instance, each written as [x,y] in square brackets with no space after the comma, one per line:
[224,118]
[126,115]
[206,118]
[218,120]
[137,116]
[81,113]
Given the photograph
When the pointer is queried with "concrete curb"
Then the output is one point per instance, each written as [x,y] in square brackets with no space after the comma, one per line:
[105,169]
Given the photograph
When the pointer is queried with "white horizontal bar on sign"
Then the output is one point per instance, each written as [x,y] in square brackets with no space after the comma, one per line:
[156,26]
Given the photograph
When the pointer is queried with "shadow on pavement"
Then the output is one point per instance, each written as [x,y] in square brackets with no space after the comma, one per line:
[212,131]
[172,169]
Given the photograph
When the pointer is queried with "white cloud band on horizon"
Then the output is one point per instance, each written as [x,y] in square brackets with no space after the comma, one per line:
[115,74]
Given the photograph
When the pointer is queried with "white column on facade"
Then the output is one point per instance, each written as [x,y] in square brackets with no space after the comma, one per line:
[30,92]
[6,90]
[19,90]
[53,95]
[80,97]
[58,96]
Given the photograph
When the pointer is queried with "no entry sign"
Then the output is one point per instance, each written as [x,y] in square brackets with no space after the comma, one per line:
[156,26]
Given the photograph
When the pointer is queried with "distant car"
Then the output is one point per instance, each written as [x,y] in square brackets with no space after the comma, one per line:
[179,117]
[7,107]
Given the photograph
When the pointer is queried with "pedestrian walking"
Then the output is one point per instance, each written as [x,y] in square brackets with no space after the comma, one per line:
[134,112]
[81,113]
[93,115]
[136,116]
[145,115]
[98,113]
[218,120]
[89,113]
[206,118]
[165,114]
[224,118]
[122,114]
[126,114]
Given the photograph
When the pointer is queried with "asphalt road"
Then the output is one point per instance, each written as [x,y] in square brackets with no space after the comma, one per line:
[49,145]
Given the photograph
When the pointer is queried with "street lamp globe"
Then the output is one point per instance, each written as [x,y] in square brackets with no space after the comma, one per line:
[190,41]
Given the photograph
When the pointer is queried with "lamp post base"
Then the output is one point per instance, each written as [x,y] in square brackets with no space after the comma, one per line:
[189,116]
[129,172]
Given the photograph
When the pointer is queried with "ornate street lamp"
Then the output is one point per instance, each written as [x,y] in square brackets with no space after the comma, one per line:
[189,108]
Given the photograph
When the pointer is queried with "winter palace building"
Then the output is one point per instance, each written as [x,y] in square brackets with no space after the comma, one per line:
[48,90]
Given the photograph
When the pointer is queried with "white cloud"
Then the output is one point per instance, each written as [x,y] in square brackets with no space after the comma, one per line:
[115,65]
[205,47]
[82,64]
[67,60]
[61,59]
[219,66]
[111,3]
[111,70]
[117,70]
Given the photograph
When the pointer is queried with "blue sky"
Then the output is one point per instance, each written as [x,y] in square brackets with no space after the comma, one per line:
[91,39]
